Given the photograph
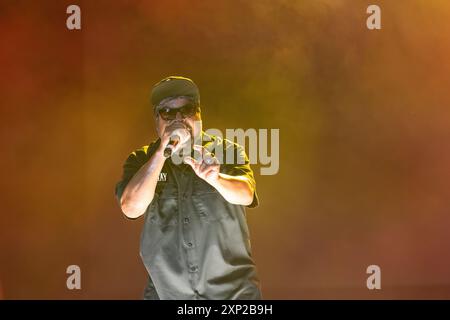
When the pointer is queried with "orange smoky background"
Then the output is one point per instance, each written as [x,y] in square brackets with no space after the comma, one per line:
[364,121]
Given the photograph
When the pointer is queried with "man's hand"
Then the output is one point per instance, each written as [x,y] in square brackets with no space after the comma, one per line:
[207,167]
[235,189]
[168,132]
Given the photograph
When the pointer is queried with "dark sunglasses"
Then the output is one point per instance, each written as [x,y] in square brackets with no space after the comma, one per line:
[186,111]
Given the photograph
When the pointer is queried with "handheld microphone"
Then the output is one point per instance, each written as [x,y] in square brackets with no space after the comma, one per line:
[178,135]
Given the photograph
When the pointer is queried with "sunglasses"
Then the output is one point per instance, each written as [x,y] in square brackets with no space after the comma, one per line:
[186,111]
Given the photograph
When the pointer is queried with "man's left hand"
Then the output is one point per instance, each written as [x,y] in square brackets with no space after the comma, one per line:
[207,167]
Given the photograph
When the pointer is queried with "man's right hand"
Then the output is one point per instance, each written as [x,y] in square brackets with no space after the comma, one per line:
[168,133]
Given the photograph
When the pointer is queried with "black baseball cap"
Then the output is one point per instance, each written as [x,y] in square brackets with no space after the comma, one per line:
[174,86]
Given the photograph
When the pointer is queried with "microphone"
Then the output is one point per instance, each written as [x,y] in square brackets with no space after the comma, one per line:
[179,135]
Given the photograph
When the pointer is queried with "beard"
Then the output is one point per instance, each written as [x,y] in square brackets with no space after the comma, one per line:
[179,124]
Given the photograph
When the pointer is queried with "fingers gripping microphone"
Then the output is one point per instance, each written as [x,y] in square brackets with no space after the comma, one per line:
[178,136]
[171,145]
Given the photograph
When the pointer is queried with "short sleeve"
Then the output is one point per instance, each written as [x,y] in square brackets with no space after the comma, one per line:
[240,166]
[132,164]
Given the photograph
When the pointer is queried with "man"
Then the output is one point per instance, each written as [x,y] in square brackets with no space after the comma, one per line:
[195,241]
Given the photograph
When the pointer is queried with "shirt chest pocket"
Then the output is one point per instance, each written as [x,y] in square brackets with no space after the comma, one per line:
[166,190]
[208,203]
[163,210]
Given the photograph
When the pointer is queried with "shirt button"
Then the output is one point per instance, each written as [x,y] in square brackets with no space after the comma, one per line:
[186,220]
[194,268]
[189,244]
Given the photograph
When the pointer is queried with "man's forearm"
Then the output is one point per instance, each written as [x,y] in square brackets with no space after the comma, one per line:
[235,189]
[139,192]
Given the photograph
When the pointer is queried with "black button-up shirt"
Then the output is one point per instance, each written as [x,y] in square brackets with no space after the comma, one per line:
[194,243]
